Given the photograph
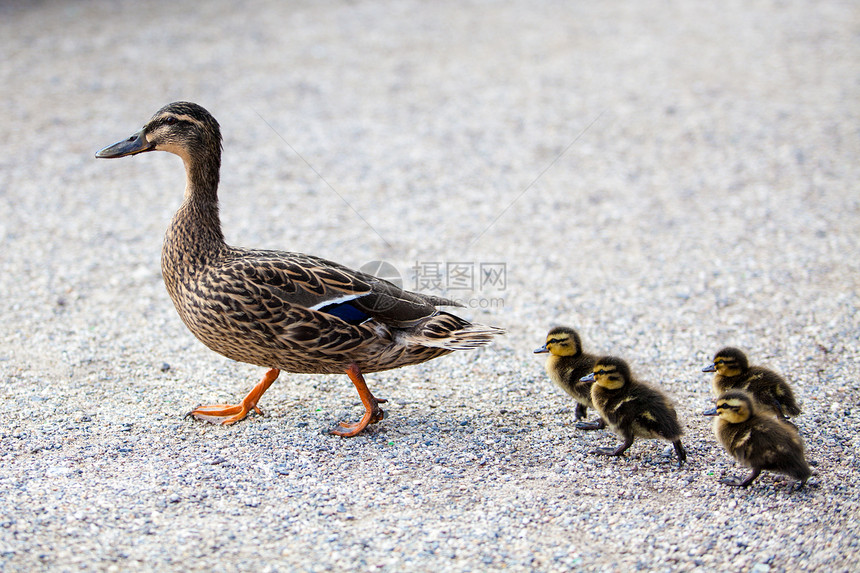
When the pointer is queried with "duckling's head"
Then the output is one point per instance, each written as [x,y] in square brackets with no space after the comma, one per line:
[728,362]
[561,341]
[734,407]
[181,127]
[610,372]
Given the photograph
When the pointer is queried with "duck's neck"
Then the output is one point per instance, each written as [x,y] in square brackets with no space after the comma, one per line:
[199,210]
[194,236]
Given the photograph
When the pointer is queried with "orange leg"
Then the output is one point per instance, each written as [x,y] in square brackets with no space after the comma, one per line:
[372,412]
[236,412]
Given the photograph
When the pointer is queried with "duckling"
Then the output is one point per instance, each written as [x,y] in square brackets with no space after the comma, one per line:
[760,442]
[733,372]
[632,408]
[566,365]
[282,310]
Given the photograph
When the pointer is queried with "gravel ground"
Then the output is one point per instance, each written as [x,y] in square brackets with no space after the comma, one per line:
[666,177]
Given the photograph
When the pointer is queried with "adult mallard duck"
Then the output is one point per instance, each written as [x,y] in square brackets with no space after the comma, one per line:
[281,310]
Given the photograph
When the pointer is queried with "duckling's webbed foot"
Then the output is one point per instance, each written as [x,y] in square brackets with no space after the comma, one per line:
[372,412]
[581,414]
[226,414]
[737,482]
[598,425]
[619,451]
[799,485]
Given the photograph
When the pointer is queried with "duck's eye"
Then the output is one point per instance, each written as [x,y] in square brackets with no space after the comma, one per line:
[171,121]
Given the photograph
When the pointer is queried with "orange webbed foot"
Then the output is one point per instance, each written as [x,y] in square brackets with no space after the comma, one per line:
[372,412]
[226,414]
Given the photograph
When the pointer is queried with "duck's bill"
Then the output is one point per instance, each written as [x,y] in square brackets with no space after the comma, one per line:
[711,412]
[710,368]
[137,143]
[541,350]
[588,378]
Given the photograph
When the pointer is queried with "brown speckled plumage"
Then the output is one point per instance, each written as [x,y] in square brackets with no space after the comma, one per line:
[281,310]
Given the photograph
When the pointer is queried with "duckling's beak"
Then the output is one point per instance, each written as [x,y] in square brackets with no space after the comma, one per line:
[711,412]
[588,378]
[709,368]
[542,350]
[137,143]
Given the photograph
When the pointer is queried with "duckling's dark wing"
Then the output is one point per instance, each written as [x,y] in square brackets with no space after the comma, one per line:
[571,370]
[776,446]
[772,390]
[656,412]
[325,286]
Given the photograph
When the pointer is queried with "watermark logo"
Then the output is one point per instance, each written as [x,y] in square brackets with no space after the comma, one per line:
[473,284]
[383,270]
[388,272]
[459,276]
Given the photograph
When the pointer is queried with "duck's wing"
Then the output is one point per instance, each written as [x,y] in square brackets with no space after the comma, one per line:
[321,285]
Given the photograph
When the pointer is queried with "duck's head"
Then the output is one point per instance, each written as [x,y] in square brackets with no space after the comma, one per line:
[561,341]
[610,372]
[182,127]
[734,407]
[728,362]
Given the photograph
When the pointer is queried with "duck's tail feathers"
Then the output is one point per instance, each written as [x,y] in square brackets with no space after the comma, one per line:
[443,330]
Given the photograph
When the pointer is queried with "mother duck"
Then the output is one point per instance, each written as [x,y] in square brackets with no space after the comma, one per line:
[282,310]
